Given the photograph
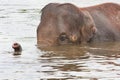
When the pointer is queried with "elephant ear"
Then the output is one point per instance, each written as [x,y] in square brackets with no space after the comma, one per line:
[88,29]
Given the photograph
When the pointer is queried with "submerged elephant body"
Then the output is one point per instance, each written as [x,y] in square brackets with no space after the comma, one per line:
[67,24]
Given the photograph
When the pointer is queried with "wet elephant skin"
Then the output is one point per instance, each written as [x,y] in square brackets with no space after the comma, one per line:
[66,23]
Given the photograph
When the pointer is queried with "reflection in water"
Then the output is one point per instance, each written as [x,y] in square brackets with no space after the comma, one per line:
[73,58]
[18,22]
[17,53]
[66,51]
[69,67]
[109,49]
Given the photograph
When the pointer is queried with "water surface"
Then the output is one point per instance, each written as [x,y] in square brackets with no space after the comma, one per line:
[18,23]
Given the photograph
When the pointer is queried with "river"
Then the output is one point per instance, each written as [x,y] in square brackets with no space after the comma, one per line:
[18,23]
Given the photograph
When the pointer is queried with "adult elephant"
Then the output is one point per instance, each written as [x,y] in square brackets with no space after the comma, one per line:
[67,24]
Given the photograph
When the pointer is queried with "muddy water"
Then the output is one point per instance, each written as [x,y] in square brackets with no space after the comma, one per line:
[18,23]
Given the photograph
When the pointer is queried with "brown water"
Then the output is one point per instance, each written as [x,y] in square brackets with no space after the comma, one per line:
[18,23]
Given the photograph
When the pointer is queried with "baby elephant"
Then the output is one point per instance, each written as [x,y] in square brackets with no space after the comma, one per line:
[17,49]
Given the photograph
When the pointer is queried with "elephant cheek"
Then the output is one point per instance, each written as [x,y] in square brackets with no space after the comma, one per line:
[73,38]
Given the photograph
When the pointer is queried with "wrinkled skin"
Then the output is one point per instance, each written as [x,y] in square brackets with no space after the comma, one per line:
[17,49]
[67,24]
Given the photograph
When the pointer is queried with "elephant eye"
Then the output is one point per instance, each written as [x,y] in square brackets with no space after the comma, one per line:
[63,37]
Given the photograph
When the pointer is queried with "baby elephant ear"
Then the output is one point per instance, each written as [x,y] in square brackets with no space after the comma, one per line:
[88,29]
